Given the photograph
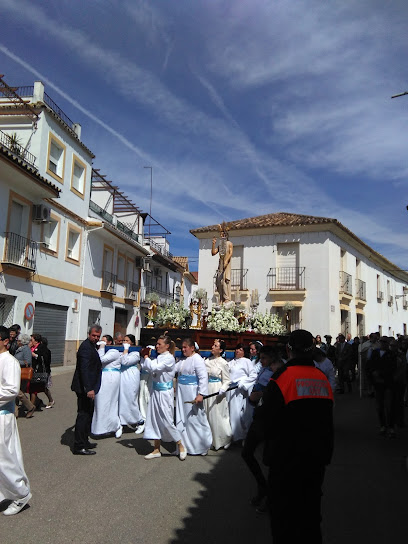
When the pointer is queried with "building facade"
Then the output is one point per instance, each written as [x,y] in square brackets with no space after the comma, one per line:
[312,271]
[73,247]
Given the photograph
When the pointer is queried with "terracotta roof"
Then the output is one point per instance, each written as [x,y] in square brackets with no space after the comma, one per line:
[195,275]
[280,219]
[284,219]
[183,261]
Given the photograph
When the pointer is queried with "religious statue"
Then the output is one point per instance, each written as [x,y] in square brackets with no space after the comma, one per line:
[224,248]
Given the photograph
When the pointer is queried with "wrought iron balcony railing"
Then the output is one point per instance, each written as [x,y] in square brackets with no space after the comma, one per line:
[18,150]
[165,296]
[345,283]
[286,278]
[109,282]
[131,290]
[160,248]
[361,290]
[114,222]
[238,279]
[20,251]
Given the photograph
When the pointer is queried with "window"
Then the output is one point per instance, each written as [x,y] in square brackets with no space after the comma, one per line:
[50,235]
[94,317]
[78,177]
[121,269]
[56,158]
[73,244]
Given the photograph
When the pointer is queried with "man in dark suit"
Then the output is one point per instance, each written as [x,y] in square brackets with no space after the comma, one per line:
[86,383]
[344,363]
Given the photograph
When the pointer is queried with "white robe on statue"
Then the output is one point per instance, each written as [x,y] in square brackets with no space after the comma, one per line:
[129,412]
[14,484]
[160,412]
[243,373]
[106,412]
[191,419]
[217,407]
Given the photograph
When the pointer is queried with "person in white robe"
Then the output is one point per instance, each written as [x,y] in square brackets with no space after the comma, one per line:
[217,407]
[192,384]
[14,484]
[144,394]
[160,411]
[129,412]
[106,409]
[243,374]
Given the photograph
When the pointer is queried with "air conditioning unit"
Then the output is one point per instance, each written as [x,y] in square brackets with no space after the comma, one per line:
[41,213]
[146,265]
[139,262]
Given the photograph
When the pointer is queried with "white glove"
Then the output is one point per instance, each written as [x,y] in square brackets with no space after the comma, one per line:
[221,392]
[126,346]
[101,343]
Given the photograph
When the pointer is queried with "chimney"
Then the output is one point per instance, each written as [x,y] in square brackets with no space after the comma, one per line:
[38,94]
[76,127]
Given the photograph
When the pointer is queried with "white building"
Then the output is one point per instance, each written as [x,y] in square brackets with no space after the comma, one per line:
[332,279]
[73,247]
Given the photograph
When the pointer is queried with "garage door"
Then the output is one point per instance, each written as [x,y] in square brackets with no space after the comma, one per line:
[50,320]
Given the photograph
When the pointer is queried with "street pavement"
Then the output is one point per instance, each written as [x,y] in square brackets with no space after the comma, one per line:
[117,496]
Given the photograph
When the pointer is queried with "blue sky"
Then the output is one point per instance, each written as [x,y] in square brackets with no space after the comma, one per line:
[241,107]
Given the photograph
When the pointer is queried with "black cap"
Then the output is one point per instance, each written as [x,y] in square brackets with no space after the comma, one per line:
[301,341]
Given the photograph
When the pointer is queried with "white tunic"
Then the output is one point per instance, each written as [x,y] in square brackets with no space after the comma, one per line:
[191,419]
[160,411]
[106,413]
[242,372]
[129,412]
[14,484]
[144,392]
[217,407]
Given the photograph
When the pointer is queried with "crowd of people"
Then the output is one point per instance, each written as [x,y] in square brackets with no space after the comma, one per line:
[215,403]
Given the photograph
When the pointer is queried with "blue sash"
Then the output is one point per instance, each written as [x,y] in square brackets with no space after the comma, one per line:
[8,408]
[110,369]
[144,372]
[213,379]
[162,386]
[188,379]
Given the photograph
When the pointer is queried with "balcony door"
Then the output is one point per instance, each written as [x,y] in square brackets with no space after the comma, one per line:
[17,238]
[287,266]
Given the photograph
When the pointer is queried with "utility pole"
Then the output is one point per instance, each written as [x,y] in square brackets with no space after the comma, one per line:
[151,194]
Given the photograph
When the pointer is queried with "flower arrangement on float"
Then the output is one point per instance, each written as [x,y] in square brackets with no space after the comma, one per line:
[172,315]
[223,320]
[267,324]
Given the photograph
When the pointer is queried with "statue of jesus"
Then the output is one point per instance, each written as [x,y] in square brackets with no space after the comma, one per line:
[224,248]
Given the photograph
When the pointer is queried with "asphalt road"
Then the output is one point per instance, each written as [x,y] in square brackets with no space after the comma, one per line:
[118,496]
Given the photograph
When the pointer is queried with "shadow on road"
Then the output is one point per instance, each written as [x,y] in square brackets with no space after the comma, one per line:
[221,512]
[67,438]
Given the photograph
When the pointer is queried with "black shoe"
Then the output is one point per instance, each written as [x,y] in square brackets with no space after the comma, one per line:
[91,445]
[84,451]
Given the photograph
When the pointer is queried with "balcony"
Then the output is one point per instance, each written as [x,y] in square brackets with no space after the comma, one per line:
[108,282]
[345,284]
[160,249]
[20,252]
[390,300]
[10,142]
[131,290]
[380,296]
[361,290]
[238,279]
[287,278]
[165,296]
[112,220]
